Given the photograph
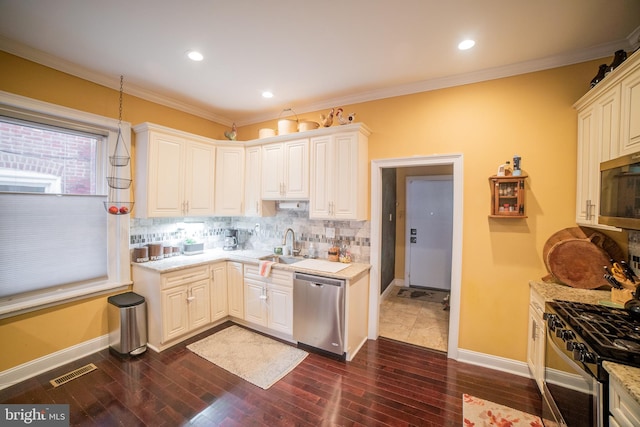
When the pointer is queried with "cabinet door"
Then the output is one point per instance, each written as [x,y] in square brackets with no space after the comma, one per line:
[630,113]
[321,177]
[255,297]
[174,313]
[609,124]
[345,177]
[219,305]
[535,348]
[165,188]
[235,289]
[199,304]
[229,181]
[296,169]
[273,171]
[588,168]
[200,177]
[280,308]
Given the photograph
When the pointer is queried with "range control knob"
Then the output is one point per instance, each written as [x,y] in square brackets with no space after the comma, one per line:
[578,350]
[565,334]
[588,357]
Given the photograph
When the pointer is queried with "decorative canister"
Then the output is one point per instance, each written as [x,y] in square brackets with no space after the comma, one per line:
[155,251]
[306,125]
[141,254]
[167,251]
[334,254]
[286,126]
[266,133]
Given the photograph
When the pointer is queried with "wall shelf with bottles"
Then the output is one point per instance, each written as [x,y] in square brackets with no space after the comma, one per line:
[507,196]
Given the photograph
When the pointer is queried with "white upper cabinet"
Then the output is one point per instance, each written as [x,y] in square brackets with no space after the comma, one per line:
[254,206]
[630,110]
[229,194]
[174,173]
[339,175]
[285,170]
[608,127]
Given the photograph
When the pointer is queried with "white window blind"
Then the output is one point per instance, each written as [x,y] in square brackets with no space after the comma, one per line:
[49,241]
[56,248]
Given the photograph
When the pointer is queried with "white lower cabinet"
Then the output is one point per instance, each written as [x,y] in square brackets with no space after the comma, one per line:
[624,410]
[185,308]
[269,300]
[178,303]
[235,289]
[537,336]
[219,299]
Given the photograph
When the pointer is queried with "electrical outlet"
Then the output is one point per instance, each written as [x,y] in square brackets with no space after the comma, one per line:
[330,233]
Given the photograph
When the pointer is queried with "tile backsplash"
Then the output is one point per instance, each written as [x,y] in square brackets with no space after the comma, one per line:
[262,233]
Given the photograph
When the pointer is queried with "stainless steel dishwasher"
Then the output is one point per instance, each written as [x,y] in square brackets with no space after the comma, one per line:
[318,312]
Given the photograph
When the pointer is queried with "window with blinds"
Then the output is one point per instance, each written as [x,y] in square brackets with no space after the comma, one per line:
[57,243]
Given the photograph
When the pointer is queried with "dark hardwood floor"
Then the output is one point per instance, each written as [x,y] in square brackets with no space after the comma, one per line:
[388,383]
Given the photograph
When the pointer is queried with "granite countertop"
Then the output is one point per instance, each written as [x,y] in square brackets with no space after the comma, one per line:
[628,376]
[166,265]
[550,291]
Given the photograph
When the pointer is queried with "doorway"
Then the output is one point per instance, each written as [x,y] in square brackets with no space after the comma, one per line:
[429,222]
[455,161]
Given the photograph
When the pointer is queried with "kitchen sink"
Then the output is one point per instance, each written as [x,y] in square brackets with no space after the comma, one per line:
[283,259]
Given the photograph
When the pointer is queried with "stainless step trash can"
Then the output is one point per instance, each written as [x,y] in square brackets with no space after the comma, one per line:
[127,321]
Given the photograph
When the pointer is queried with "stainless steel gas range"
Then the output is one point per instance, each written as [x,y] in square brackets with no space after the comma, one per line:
[579,338]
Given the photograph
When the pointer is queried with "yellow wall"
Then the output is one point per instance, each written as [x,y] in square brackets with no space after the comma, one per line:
[489,122]
[530,115]
[43,332]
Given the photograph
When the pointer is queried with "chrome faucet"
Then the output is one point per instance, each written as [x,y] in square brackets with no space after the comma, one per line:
[294,251]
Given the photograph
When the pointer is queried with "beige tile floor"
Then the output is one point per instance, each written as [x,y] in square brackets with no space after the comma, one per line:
[421,323]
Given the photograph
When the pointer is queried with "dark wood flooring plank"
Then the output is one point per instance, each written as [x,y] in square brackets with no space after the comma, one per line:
[387,384]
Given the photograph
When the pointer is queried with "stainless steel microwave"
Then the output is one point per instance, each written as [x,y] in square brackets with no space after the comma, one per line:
[620,192]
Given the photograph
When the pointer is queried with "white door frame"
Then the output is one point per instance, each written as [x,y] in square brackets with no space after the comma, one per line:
[456,160]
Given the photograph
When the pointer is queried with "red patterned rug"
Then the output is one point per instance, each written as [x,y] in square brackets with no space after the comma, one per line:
[478,412]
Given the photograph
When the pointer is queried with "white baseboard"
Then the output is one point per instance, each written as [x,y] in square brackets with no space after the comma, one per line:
[43,364]
[494,362]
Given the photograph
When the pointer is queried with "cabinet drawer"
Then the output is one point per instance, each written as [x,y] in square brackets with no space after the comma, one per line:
[278,277]
[180,277]
[622,406]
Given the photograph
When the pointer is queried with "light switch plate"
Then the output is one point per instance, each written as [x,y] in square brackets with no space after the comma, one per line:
[330,233]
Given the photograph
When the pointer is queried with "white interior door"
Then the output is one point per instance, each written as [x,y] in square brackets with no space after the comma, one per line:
[429,231]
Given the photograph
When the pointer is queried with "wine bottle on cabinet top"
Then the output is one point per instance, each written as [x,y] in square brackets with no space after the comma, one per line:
[602,69]
[618,58]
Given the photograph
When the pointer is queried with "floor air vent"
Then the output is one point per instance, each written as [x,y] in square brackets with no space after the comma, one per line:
[63,379]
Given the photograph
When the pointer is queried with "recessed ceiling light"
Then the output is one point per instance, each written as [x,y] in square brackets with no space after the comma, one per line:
[267,94]
[466,44]
[195,56]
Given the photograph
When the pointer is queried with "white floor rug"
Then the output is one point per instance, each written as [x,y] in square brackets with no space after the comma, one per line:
[253,357]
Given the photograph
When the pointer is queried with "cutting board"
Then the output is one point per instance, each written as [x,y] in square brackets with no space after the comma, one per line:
[578,263]
[322,265]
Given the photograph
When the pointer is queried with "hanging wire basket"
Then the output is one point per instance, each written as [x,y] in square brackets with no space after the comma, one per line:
[119,183]
[121,155]
[118,208]
[120,175]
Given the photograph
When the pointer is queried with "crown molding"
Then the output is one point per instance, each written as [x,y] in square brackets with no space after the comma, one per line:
[113,82]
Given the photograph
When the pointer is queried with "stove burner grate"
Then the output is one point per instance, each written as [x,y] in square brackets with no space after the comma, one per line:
[612,333]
